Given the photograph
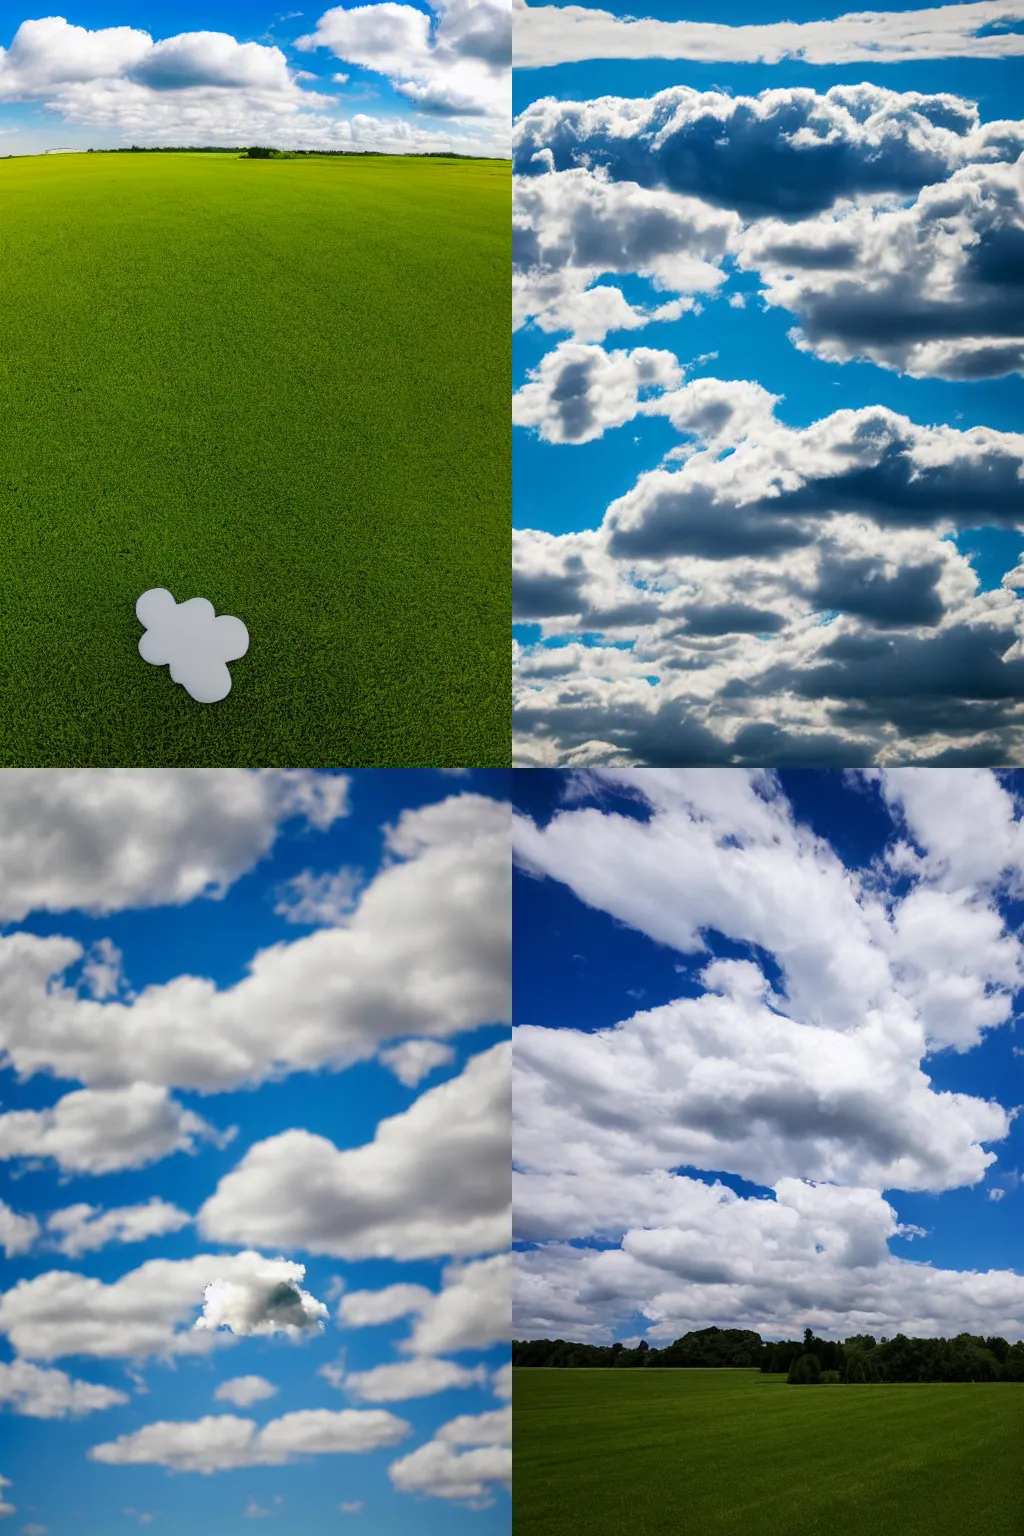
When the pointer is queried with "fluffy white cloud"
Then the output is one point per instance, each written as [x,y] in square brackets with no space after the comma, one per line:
[569,227]
[243,1391]
[219,1443]
[434,1180]
[265,1300]
[793,599]
[928,290]
[17,1233]
[456,63]
[150,1311]
[400,1380]
[202,88]
[471,1311]
[102,1130]
[83,1228]
[41,1393]
[192,639]
[326,899]
[425,953]
[413,1060]
[549,34]
[815,1085]
[106,839]
[440,1470]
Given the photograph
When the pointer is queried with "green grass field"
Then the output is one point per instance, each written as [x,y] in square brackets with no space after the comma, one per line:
[735,1453]
[280,385]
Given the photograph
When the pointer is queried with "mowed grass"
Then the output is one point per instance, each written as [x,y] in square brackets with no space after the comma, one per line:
[282,386]
[735,1453]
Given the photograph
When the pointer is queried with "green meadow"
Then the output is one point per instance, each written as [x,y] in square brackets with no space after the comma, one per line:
[283,386]
[737,1453]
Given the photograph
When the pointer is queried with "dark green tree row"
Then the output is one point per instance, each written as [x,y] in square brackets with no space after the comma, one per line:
[860,1358]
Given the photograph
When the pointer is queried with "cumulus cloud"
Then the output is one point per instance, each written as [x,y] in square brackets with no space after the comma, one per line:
[150,1311]
[441,1470]
[398,1381]
[570,227]
[931,290]
[413,1060]
[815,1084]
[103,840]
[84,1228]
[471,1311]
[222,1442]
[455,62]
[243,1391]
[768,594]
[787,151]
[104,1130]
[192,640]
[326,899]
[425,953]
[434,1180]
[202,87]
[265,1300]
[40,1393]
[548,34]
[17,1233]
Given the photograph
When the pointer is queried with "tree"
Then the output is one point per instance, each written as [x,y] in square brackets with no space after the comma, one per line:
[805,1371]
[855,1368]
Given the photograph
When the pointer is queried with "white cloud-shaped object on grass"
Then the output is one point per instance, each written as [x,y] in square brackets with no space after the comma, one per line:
[193,640]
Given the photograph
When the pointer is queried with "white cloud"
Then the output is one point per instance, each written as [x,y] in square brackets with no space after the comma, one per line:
[266,1300]
[5,1507]
[193,640]
[84,1228]
[201,88]
[439,1470]
[350,1507]
[40,1393]
[366,1309]
[103,1130]
[926,289]
[434,1180]
[548,34]
[501,1380]
[17,1233]
[413,1060]
[150,1311]
[425,953]
[398,1381]
[243,1391]
[106,839]
[326,899]
[814,1084]
[454,63]
[472,1311]
[221,1442]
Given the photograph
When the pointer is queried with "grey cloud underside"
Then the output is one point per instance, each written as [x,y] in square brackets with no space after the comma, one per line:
[789,152]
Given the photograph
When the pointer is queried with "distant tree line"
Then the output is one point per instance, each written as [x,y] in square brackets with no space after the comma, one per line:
[860,1358]
[266,152]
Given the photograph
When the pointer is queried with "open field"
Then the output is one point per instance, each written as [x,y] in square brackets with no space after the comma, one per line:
[735,1453]
[280,385]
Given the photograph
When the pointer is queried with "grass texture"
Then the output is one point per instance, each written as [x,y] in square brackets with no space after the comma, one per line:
[280,385]
[735,1453]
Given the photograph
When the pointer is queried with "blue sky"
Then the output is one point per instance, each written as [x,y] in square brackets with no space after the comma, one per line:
[629,887]
[424,77]
[407,944]
[680,699]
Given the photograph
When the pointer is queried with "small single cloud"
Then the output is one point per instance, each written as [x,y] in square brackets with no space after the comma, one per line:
[996,1194]
[353,1507]
[256,1511]
[138,1514]
[243,1391]
[193,640]
[103,971]
[34,1530]
[269,1300]
[412,1060]
[341,79]
[320,899]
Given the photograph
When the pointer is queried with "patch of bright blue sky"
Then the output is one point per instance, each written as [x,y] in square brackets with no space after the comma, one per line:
[217,939]
[565,488]
[578,968]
